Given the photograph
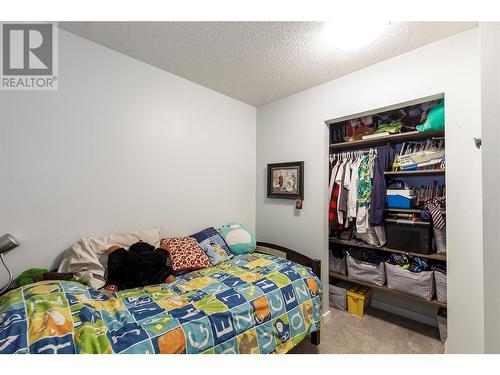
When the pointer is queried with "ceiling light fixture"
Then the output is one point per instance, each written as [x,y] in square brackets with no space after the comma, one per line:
[352,34]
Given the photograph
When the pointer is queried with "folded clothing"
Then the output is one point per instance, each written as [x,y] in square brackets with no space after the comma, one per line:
[141,265]
[369,256]
[408,262]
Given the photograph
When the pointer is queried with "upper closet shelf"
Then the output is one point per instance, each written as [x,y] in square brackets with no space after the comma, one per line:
[394,138]
[417,172]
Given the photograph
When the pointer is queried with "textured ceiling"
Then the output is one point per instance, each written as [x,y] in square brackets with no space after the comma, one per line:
[255,62]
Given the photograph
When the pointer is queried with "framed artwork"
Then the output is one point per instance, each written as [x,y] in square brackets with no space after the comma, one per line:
[285,180]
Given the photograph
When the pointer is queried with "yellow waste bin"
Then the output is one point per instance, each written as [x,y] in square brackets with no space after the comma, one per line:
[357,298]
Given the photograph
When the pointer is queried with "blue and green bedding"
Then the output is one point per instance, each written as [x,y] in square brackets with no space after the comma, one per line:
[252,303]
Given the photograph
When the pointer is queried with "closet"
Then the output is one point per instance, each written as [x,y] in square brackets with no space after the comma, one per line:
[387,204]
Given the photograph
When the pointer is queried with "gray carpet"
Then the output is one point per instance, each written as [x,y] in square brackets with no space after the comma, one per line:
[378,332]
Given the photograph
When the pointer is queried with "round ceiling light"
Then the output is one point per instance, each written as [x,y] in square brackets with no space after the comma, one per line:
[352,34]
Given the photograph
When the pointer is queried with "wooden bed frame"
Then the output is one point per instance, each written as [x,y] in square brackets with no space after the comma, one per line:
[294,256]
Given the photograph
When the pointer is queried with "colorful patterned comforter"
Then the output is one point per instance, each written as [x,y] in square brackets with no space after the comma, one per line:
[250,304]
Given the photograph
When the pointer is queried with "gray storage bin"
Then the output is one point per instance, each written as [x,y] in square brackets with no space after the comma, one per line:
[442,319]
[420,284]
[338,264]
[440,239]
[364,271]
[440,279]
[338,295]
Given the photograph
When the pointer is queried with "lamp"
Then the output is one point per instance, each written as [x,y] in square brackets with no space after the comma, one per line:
[348,35]
[7,243]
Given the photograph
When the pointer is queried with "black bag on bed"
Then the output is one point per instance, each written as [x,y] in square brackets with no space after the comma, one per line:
[141,265]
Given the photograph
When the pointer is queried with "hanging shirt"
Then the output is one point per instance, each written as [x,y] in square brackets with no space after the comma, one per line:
[332,211]
[339,180]
[364,194]
[334,191]
[345,192]
[364,182]
[332,176]
[348,174]
[352,197]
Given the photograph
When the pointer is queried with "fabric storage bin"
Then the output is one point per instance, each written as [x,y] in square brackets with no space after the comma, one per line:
[364,271]
[442,319]
[420,284]
[338,295]
[440,280]
[338,264]
[358,298]
[440,239]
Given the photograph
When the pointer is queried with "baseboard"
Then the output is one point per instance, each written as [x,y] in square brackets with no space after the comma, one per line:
[327,316]
[422,318]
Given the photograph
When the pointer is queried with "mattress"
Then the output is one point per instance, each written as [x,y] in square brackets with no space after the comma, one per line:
[253,303]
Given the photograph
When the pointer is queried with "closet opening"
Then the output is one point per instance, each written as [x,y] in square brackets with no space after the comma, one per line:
[387,219]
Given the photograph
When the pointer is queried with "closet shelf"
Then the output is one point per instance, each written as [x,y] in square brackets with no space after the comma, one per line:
[394,138]
[416,172]
[385,288]
[408,210]
[363,245]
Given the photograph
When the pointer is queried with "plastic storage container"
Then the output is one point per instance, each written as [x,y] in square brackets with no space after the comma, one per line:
[400,198]
[364,271]
[419,284]
[442,319]
[358,298]
[338,264]
[409,235]
[440,279]
[338,295]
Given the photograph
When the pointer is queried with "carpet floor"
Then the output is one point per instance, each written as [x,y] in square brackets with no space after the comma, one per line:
[378,332]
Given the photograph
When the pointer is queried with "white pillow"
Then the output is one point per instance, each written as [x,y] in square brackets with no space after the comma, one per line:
[88,259]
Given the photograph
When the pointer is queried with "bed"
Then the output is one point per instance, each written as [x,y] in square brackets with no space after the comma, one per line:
[264,302]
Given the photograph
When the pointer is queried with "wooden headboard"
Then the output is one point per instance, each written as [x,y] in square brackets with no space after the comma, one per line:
[294,256]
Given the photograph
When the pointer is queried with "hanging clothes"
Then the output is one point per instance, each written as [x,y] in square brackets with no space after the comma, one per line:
[344,189]
[342,199]
[352,197]
[332,212]
[364,194]
[383,162]
[332,209]
[365,183]
[435,206]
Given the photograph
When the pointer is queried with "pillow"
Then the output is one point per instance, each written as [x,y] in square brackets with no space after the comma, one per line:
[185,254]
[435,119]
[88,257]
[213,245]
[239,238]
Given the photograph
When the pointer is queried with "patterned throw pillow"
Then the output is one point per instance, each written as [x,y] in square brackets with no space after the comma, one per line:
[213,245]
[239,239]
[185,254]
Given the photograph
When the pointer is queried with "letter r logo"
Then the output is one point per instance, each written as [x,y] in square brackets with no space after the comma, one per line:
[27,49]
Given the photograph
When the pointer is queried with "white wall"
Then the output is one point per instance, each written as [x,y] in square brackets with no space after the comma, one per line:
[293,129]
[490,104]
[121,146]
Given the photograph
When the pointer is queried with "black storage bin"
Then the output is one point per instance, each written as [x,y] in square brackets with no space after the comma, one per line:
[409,235]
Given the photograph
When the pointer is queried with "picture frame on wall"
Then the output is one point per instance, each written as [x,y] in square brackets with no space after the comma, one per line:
[285,180]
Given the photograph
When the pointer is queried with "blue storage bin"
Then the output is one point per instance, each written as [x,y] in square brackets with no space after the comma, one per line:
[399,201]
